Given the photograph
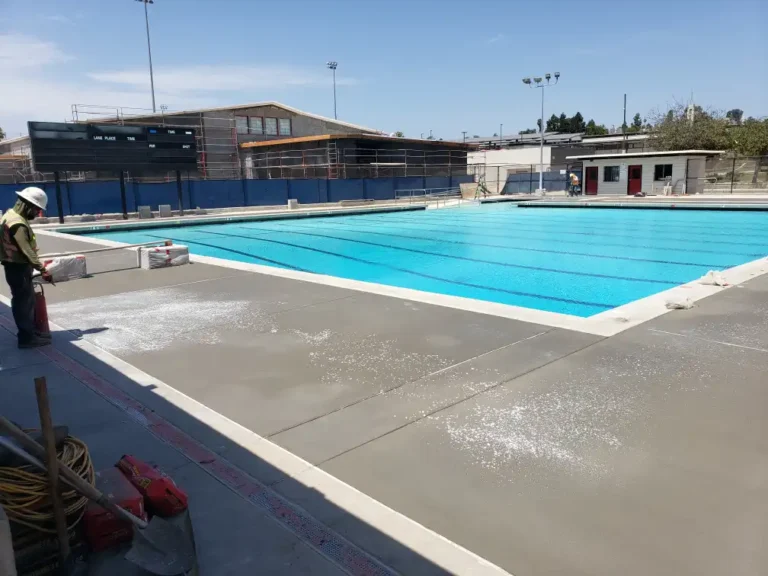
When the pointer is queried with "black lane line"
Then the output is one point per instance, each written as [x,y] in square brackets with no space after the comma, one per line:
[456,220]
[611,244]
[421,274]
[503,247]
[465,258]
[291,266]
[595,225]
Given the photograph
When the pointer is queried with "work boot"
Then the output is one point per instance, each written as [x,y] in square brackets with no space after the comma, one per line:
[35,342]
[43,335]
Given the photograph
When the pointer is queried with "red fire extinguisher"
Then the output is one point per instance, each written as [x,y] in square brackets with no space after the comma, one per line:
[41,311]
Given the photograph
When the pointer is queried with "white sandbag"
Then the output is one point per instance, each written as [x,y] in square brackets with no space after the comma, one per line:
[63,268]
[713,278]
[163,256]
[680,304]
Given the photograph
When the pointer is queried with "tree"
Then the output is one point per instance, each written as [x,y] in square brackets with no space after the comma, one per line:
[576,124]
[538,123]
[563,123]
[2,134]
[399,134]
[553,124]
[637,124]
[674,130]
[593,129]
[495,135]
[529,130]
[735,116]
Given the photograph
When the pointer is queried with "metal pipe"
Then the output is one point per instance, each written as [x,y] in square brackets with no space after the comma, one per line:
[106,249]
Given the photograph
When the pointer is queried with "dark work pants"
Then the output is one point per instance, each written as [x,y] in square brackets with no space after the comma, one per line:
[19,278]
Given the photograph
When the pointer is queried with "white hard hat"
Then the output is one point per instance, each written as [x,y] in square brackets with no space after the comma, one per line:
[35,196]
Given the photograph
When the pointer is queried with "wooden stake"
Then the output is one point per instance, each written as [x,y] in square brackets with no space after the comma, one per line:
[52,463]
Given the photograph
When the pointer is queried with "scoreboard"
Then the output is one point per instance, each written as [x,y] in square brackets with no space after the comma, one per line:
[58,147]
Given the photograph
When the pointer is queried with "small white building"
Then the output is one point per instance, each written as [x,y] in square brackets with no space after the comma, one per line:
[678,172]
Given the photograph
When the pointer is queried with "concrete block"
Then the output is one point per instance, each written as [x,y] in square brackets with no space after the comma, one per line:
[163,256]
[65,268]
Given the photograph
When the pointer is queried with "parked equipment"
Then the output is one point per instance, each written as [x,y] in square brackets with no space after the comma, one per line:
[158,546]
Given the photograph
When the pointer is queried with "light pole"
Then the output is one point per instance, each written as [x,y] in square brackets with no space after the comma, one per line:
[332,65]
[149,48]
[538,82]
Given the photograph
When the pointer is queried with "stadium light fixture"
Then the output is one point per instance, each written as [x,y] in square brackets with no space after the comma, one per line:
[539,82]
[332,65]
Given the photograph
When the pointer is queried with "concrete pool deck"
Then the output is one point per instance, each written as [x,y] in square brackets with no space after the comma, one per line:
[540,449]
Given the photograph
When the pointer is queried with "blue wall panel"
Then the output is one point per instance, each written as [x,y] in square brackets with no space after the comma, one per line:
[216,193]
[266,192]
[380,188]
[409,183]
[104,197]
[96,197]
[308,191]
[348,189]
[8,195]
[457,179]
[433,182]
[154,194]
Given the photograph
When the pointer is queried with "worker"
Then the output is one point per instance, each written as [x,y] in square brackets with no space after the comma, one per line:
[574,189]
[19,258]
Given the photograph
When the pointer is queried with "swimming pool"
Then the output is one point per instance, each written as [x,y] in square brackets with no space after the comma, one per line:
[577,262]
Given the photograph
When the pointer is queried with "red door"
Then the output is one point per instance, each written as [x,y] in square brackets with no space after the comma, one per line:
[634,179]
[590,180]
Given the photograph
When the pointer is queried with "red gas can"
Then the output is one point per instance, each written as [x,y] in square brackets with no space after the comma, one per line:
[102,528]
[41,311]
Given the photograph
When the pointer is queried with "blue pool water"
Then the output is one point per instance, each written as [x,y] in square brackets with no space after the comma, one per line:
[579,262]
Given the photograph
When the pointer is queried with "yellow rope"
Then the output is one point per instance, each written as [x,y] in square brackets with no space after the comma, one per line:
[24,490]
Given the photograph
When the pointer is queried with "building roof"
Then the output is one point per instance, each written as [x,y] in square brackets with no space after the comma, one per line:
[556,138]
[13,140]
[612,139]
[523,139]
[245,107]
[646,154]
[360,136]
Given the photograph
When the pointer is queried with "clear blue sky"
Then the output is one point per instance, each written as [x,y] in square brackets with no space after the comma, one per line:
[445,65]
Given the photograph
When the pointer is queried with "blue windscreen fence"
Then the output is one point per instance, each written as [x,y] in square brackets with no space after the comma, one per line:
[103,197]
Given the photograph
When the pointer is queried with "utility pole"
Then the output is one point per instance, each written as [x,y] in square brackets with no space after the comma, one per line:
[624,125]
[538,82]
[464,135]
[149,49]
[501,130]
[332,65]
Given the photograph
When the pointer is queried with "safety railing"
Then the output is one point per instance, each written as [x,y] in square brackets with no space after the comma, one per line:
[430,195]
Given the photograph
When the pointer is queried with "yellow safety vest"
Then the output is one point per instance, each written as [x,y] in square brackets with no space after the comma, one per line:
[10,251]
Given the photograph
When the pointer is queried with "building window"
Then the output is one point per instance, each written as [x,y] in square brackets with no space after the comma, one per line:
[662,172]
[241,122]
[610,174]
[257,125]
[285,126]
[270,126]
